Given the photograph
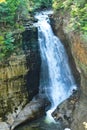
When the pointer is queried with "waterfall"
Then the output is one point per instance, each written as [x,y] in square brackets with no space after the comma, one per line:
[56,80]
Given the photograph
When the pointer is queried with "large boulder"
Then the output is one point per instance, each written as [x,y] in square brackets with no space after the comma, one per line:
[64,112]
[33,110]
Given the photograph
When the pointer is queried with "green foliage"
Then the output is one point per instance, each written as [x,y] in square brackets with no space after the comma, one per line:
[6,45]
[79,14]
[77,9]
[7,13]
[61,4]
[1,40]
[12,13]
[11,10]
[14,10]
[9,40]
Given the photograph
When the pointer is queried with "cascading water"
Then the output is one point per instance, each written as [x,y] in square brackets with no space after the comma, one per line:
[56,80]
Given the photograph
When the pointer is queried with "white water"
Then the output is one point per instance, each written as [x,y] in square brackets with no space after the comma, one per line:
[56,80]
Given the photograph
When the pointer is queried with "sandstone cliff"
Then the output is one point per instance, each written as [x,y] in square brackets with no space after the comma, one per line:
[19,76]
[76,48]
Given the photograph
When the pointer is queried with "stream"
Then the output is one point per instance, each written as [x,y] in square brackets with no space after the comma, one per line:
[56,79]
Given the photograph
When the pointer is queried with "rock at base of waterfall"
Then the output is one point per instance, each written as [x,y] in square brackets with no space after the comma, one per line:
[32,111]
[63,113]
[4,126]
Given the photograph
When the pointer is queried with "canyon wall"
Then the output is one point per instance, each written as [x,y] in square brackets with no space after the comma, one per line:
[19,76]
[76,48]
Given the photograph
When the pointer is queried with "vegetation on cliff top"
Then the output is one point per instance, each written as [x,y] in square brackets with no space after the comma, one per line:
[77,11]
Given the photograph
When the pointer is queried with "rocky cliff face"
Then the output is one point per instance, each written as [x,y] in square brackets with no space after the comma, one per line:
[19,77]
[77,52]
[13,92]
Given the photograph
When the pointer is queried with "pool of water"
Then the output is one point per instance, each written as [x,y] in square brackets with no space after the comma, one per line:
[40,124]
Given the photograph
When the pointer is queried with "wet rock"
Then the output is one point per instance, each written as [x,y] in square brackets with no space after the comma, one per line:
[63,113]
[33,110]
